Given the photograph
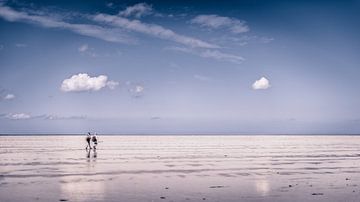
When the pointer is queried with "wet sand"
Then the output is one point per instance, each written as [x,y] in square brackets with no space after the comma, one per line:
[180,168]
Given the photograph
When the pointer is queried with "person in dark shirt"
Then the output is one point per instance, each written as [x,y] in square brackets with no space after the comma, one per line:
[94,140]
[88,138]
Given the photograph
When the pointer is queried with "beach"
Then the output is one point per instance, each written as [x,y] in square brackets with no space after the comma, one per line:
[180,168]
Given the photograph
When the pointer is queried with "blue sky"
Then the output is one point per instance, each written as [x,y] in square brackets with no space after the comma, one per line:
[180,67]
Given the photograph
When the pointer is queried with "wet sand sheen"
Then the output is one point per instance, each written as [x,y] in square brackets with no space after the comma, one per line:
[180,168]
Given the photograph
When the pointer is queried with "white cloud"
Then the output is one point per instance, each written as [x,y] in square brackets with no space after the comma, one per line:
[24,116]
[9,97]
[152,30]
[135,90]
[222,56]
[117,33]
[235,40]
[19,116]
[112,84]
[242,40]
[214,54]
[216,22]
[90,30]
[138,89]
[55,117]
[137,10]
[83,82]
[83,48]
[261,84]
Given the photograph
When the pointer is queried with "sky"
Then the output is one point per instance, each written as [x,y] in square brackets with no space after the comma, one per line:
[180,67]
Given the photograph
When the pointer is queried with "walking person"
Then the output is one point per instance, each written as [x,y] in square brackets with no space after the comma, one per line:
[88,139]
[94,140]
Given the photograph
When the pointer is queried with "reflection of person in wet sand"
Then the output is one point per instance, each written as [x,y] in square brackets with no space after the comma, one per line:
[88,138]
[88,153]
[95,154]
[89,156]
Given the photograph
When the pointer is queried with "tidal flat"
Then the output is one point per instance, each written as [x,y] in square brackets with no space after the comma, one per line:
[180,168]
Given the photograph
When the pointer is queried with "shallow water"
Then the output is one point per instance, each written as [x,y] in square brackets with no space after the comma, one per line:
[180,168]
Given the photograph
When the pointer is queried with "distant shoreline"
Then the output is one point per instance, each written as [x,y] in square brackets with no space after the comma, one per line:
[54,134]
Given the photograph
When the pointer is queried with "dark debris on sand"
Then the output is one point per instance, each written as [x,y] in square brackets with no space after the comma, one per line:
[218,186]
[63,199]
[317,194]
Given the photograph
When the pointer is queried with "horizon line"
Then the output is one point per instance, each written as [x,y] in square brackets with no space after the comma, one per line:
[182,134]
